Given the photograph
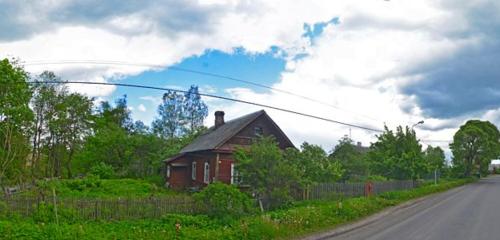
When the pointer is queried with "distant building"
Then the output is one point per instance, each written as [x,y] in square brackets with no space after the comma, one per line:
[209,157]
[494,165]
[361,149]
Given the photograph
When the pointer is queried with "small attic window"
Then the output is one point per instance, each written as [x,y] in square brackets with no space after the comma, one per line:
[258,131]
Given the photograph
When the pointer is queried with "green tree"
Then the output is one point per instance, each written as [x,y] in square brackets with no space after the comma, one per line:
[435,158]
[171,121]
[313,164]
[397,155]
[15,121]
[195,110]
[352,160]
[474,145]
[263,167]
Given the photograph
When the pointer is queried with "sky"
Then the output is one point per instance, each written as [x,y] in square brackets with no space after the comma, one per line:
[370,63]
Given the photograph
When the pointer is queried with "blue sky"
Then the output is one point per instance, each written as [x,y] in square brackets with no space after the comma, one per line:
[372,62]
[258,68]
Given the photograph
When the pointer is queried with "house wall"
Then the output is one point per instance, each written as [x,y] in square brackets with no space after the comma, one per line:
[243,138]
[177,179]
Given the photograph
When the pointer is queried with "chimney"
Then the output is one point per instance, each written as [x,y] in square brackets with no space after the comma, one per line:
[219,118]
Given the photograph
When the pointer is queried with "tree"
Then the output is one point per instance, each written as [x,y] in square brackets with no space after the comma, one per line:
[313,164]
[397,155]
[435,158]
[352,160]
[171,121]
[15,120]
[474,145]
[263,167]
[195,110]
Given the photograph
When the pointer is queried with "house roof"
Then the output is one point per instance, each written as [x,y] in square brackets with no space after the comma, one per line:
[215,137]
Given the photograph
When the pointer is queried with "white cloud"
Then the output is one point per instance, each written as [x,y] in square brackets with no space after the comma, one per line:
[141,108]
[358,65]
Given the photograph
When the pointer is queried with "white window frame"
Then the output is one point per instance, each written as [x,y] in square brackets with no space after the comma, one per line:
[234,174]
[168,171]
[193,170]
[206,173]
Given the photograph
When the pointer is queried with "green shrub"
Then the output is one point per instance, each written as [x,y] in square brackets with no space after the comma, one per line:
[102,170]
[224,201]
[91,181]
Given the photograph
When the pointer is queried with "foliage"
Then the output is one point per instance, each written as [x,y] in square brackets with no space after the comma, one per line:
[180,114]
[473,146]
[398,155]
[15,121]
[263,167]
[224,202]
[93,187]
[103,171]
[313,164]
[286,223]
[352,160]
[435,157]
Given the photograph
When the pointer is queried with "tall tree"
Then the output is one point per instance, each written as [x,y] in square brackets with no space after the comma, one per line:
[171,121]
[474,145]
[435,158]
[195,110]
[15,120]
[398,155]
[313,164]
[352,160]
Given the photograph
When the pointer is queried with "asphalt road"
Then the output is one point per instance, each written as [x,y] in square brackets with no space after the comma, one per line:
[472,213]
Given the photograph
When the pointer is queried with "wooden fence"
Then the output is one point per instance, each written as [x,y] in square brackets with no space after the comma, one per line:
[154,207]
[323,191]
[103,209]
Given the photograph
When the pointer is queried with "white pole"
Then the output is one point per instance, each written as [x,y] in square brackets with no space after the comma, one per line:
[435,176]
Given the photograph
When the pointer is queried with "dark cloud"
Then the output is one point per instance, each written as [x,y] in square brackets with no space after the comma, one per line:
[21,20]
[467,82]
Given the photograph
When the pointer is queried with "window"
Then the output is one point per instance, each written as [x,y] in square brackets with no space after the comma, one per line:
[168,171]
[193,170]
[234,175]
[258,131]
[206,174]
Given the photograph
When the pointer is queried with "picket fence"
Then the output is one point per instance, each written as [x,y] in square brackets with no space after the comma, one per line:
[155,207]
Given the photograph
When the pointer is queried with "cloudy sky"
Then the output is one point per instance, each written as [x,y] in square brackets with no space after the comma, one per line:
[370,62]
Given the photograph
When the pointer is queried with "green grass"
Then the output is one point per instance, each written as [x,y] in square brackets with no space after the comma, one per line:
[101,188]
[304,218]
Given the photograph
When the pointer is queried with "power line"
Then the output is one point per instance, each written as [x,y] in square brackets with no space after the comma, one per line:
[212,96]
[180,69]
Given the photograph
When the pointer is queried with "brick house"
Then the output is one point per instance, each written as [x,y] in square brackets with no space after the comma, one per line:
[209,157]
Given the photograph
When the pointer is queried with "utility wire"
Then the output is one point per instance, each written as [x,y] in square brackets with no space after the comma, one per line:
[212,96]
[180,69]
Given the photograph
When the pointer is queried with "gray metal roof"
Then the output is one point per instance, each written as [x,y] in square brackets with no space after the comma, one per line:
[214,137]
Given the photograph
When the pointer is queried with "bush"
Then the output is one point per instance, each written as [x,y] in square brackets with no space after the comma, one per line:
[103,170]
[224,202]
[90,181]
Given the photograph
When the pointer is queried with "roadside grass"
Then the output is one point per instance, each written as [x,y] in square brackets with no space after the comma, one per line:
[299,220]
[99,188]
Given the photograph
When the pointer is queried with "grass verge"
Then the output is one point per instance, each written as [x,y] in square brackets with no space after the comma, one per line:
[304,218]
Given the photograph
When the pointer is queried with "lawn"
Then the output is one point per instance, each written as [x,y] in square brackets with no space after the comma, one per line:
[301,219]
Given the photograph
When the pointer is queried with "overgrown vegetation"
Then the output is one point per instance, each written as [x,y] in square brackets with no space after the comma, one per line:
[48,132]
[94,187]
[305,218]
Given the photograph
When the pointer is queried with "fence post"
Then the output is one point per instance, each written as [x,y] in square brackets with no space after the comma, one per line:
[368,188]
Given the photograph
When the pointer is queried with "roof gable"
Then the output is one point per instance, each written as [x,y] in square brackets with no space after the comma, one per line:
[215,137]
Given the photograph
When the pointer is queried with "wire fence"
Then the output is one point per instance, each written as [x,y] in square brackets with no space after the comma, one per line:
[155,207]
